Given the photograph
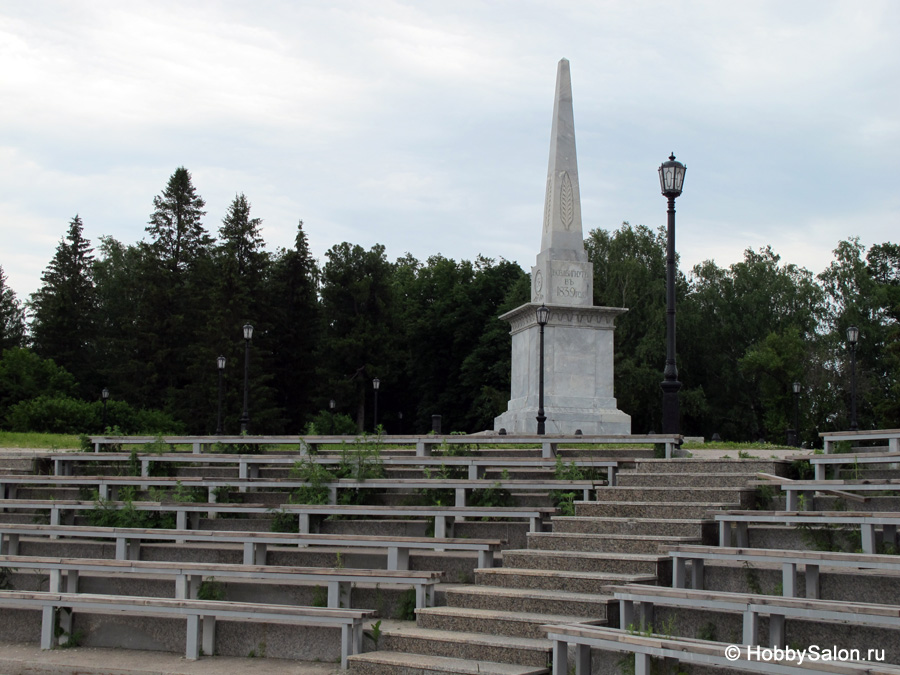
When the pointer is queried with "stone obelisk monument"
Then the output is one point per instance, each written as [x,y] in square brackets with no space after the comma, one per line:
[578,338]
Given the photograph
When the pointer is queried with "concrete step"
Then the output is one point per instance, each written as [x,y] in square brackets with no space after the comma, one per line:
[685,527]
[396,663]
[470,646]
[588,605]
[744,496]
[748,466]
[557,580]
[622,454]
[677,510]
[492,622]
[658,479]
[610,543]
[581,561]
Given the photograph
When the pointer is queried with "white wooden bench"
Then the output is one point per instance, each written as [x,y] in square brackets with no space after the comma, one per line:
[892,436]
[794,489]
[789,561]
[690,651]
[309,516]
[201,616]
[249,466]
[750,606]
[255,545]
[107,486]
[424,444]
[820,462]
[865,520]
[188,576]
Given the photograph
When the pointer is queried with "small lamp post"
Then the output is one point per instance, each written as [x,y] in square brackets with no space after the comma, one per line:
[796,388]
[104,396]
[245,416]
[220,365]
[543,316]
[331,405]
[853,340]
[376,383]
[671,180]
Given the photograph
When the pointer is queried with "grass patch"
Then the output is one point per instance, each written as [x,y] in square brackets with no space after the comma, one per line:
[12,439]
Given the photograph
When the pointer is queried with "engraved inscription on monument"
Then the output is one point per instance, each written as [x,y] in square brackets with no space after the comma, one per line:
[571,282]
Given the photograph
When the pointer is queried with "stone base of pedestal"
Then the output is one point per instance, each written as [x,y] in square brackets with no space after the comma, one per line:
[565,421]
[578,371]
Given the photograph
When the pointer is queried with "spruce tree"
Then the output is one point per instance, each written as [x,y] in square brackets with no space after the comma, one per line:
[12,317]
[63,310]
[178,235]
[294,306]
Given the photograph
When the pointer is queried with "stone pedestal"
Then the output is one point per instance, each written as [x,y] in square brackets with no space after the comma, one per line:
[578,371]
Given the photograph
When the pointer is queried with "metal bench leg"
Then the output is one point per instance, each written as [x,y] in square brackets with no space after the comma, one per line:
[641,664]
[743,535]
[751,627]
[724,534]
[209,635]
[868,537]
[548,450]
[812,581]
[421,596]
[72,581]
[776,630]
[626,614]
[440,527]
[582,660]
[192,643]
[347,647]
[485,559]
[304,523]
[560,658]
[398,558]
[12,544]
[121,548]
[48,626]
[791,500]
[678,573]
[789,580]
[55,585]
[697,574]
[65,625]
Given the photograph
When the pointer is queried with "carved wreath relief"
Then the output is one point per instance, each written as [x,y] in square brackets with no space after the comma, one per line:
[538,285]
[547,204]
[567,201]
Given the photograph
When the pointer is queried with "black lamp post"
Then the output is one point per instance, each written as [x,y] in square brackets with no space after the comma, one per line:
[671,179]
[853,340]
[245,416]
[796,388]
[220,365]
[543,316]
[104,396]
[376,383]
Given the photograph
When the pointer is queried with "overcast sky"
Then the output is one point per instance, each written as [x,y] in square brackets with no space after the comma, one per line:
[425,126]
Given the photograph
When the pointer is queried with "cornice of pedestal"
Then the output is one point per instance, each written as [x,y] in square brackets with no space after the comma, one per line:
[597,318]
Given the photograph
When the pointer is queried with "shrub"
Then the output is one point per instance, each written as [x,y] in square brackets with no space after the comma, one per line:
[326,423]
[64,415]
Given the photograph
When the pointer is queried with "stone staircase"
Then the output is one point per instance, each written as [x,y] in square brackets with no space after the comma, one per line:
[493,625]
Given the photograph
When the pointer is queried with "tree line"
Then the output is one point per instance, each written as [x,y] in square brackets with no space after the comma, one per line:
[148,320]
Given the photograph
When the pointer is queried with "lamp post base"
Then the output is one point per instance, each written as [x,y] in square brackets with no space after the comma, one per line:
[671,414]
